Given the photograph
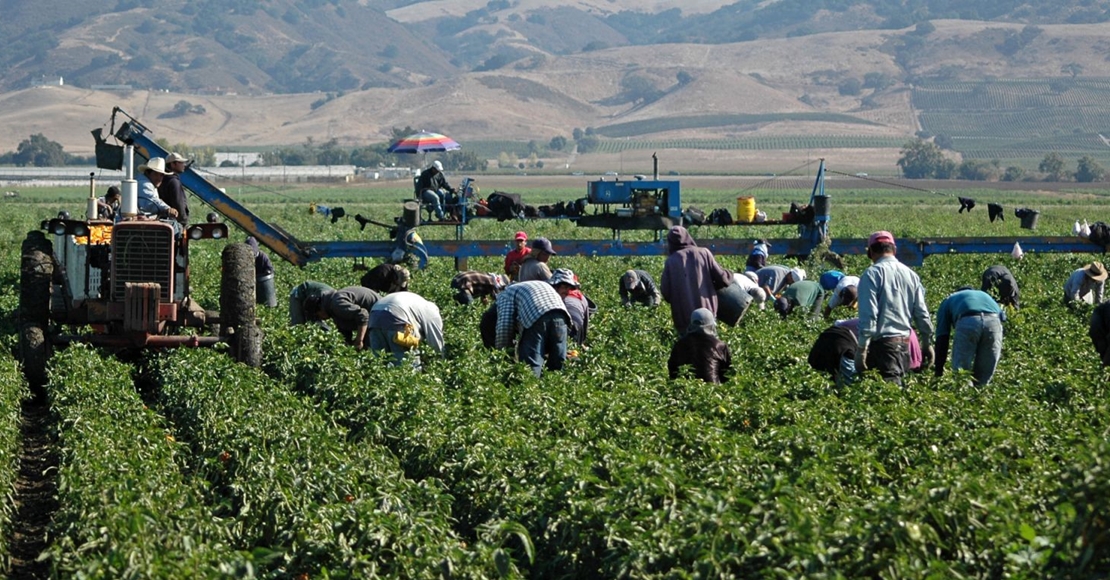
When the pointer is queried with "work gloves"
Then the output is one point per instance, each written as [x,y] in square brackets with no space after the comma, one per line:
[928,355]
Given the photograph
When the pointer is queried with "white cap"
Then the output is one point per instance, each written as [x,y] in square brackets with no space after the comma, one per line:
[438,165]
[798,274]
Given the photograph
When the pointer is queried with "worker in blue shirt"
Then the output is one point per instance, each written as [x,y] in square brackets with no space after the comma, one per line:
[977,320]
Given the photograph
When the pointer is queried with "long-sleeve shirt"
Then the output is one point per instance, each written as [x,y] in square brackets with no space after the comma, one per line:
[350,308]
[413,309]
[644,291]
[171,192]
[890,295]
[960,303]
[805,294]
[477,283]
[532,269]
[691,278]
[432,178]
[709,355]
[1079,284]
[1000,278]
[521,305]
[149,202]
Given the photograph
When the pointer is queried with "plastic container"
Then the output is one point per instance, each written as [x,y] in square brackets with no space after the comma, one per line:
[745,209]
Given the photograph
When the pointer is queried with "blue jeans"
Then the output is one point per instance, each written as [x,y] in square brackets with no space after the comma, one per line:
[434,200]
[546,337]
[977,346]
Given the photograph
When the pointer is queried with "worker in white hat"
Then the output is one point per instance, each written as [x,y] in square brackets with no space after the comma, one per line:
[433,188]
[150,176]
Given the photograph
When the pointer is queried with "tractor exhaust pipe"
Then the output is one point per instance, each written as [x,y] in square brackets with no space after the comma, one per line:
[129,188]
[654,166]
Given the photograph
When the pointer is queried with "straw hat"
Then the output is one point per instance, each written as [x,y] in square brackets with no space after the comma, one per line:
[156,164]
[1095,271]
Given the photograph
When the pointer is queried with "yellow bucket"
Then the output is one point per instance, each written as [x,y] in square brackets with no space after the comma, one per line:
[745,209]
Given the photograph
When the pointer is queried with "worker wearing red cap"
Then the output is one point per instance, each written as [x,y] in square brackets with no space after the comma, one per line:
[890,298]
[517,254]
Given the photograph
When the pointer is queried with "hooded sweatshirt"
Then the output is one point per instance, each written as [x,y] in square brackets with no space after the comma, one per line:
[691,278]
[701,349]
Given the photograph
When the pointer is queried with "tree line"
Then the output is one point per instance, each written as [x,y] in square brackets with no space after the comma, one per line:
[922,159]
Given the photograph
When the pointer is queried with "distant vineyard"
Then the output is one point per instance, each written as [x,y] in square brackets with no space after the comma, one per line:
[1016,94]
[649,126]
[1018,119]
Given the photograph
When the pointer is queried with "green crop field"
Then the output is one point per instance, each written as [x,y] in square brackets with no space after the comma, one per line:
[327,463]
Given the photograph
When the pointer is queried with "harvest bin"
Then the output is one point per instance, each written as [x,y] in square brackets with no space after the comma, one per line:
[1028,218]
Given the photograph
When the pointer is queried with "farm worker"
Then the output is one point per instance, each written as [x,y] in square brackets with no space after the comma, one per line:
[298,314]
[534,266]
[977,319]
[805,294]
[852,324]
[637,287]
[516,255]
[350,309]
[1086,284]
[170,189]
[890,295]
[472,285]
[1100,332]
[386,278]
[401,321]
[150,176]
[691,278]
[432,186]
[538,310]
[263,275]
[701,349]
[998,278]
[758,258]
[108,206]
[774,278]
[566,285]
[845,293]
[834,352]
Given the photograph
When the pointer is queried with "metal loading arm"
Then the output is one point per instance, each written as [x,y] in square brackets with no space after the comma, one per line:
[277,240]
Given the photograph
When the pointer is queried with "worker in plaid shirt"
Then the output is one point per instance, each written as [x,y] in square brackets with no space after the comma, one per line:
[539,312]
[470,285]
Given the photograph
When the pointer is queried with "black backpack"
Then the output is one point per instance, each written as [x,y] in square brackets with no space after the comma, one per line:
[1100,234]
[504,206]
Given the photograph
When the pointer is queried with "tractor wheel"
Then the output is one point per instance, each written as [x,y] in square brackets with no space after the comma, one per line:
[34,353]
[237,305]
[35,277]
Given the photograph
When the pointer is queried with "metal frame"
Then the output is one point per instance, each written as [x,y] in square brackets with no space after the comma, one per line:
[301,253]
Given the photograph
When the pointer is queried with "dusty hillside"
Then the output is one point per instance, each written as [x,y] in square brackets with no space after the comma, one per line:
[541,98]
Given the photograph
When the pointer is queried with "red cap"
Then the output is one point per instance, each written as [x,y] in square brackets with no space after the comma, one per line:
[880,237]
[521,236]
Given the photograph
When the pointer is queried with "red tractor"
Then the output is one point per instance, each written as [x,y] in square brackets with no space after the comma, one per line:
[125,285]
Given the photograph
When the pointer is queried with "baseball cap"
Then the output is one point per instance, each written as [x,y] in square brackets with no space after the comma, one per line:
[798,274]
[881,236]
[175,157]
[521,236]
[543,244]
[438,165]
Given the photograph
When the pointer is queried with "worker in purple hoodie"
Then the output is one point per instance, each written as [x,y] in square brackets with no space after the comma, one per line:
[691,278]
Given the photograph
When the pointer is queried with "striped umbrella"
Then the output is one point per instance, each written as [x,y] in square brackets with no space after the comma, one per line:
[423,142]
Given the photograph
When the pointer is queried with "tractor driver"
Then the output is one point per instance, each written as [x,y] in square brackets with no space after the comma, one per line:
[432,186]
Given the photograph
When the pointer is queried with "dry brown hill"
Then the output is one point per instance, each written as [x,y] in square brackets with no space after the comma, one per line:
[538,98]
